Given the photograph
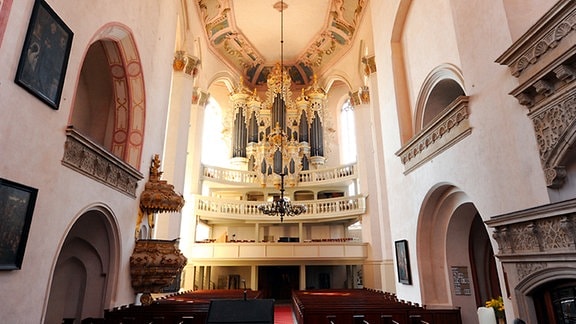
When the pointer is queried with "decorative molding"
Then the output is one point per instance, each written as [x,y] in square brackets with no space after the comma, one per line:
[90,159]
[186,63]
[542,38]
[200,97]
[554,129]
[523,270]
[536,242]
[539,236]
[360,97]
[447,129]
[369,63]
[228,42]
[536,232]
[548,89]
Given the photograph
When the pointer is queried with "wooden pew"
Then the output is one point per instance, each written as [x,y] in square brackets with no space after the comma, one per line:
[364,306]
[183,308]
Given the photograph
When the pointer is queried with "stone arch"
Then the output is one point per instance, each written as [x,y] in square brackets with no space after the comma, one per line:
[124,135]
[87,265]
[399,71]
[441,87]
[335,77]
[444,243]
[226,78]
[540,277]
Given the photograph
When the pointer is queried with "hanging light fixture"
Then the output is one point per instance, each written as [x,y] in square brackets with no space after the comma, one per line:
[282,206]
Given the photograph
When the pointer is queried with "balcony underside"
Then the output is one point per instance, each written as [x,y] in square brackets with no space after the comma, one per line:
[214,252]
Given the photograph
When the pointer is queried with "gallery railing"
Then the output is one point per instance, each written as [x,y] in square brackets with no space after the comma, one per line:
[241,177]
[240,210]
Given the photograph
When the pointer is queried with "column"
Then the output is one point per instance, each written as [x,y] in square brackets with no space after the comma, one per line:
[302,277]
[176,141]
[192,182]
[254,277]
[378,268]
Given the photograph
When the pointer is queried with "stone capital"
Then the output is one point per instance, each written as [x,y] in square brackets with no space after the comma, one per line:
[186,63]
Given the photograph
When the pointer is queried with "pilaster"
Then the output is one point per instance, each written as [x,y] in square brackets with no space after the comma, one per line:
[185,68]
[378,271]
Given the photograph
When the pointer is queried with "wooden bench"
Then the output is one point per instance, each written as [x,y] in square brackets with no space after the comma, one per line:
[182,308]
[364,306]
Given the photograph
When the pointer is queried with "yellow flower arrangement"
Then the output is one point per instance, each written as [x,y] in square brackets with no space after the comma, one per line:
[498,306]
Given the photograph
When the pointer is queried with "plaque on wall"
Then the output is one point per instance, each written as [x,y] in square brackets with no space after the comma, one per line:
[461,281]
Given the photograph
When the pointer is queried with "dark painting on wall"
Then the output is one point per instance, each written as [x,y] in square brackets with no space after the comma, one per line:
[16,208]
[403,262]
[42,67]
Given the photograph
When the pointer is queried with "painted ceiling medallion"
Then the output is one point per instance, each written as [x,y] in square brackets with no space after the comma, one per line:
[234,47]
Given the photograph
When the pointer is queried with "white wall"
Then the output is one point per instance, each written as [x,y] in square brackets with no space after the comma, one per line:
[33,143]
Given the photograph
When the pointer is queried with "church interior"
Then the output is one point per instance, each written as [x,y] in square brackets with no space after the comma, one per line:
[362,161]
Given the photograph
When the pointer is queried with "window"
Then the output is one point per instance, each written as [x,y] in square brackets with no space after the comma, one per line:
[347,134]
[214,148]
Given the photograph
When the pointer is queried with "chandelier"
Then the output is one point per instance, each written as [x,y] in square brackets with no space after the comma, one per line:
[281,206]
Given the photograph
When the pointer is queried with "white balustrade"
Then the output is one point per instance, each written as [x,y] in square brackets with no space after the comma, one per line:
[241,210]
[309,177]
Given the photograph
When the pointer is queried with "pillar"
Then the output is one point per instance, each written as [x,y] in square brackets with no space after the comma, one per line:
[378,268]
[176,138]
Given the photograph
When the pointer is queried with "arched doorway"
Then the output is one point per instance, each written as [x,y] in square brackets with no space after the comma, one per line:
[555,302]
[455,256]
[548,294]
[82,277]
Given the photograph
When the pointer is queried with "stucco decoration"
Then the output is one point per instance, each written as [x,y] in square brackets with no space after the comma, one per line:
[531,240]
[228,42]
[544,63]
[90,159]
[447,129]
[128,92]
[186,63]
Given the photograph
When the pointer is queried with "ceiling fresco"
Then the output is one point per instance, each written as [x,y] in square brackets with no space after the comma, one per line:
[246,35]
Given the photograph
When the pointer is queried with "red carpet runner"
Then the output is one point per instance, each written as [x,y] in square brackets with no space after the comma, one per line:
[283,314]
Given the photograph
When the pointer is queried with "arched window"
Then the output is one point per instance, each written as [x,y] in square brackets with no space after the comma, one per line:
[214,148]
[348,152]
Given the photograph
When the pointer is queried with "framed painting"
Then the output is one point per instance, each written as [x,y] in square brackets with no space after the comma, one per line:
[403,262]
[16,208]
[44,58]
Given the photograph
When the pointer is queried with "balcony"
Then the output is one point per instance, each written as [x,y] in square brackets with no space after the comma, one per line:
[210,252]
[217,210]
[90,159]
[447,129]
[338,174]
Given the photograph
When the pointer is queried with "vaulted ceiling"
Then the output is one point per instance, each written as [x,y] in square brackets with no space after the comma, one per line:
[246,35]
